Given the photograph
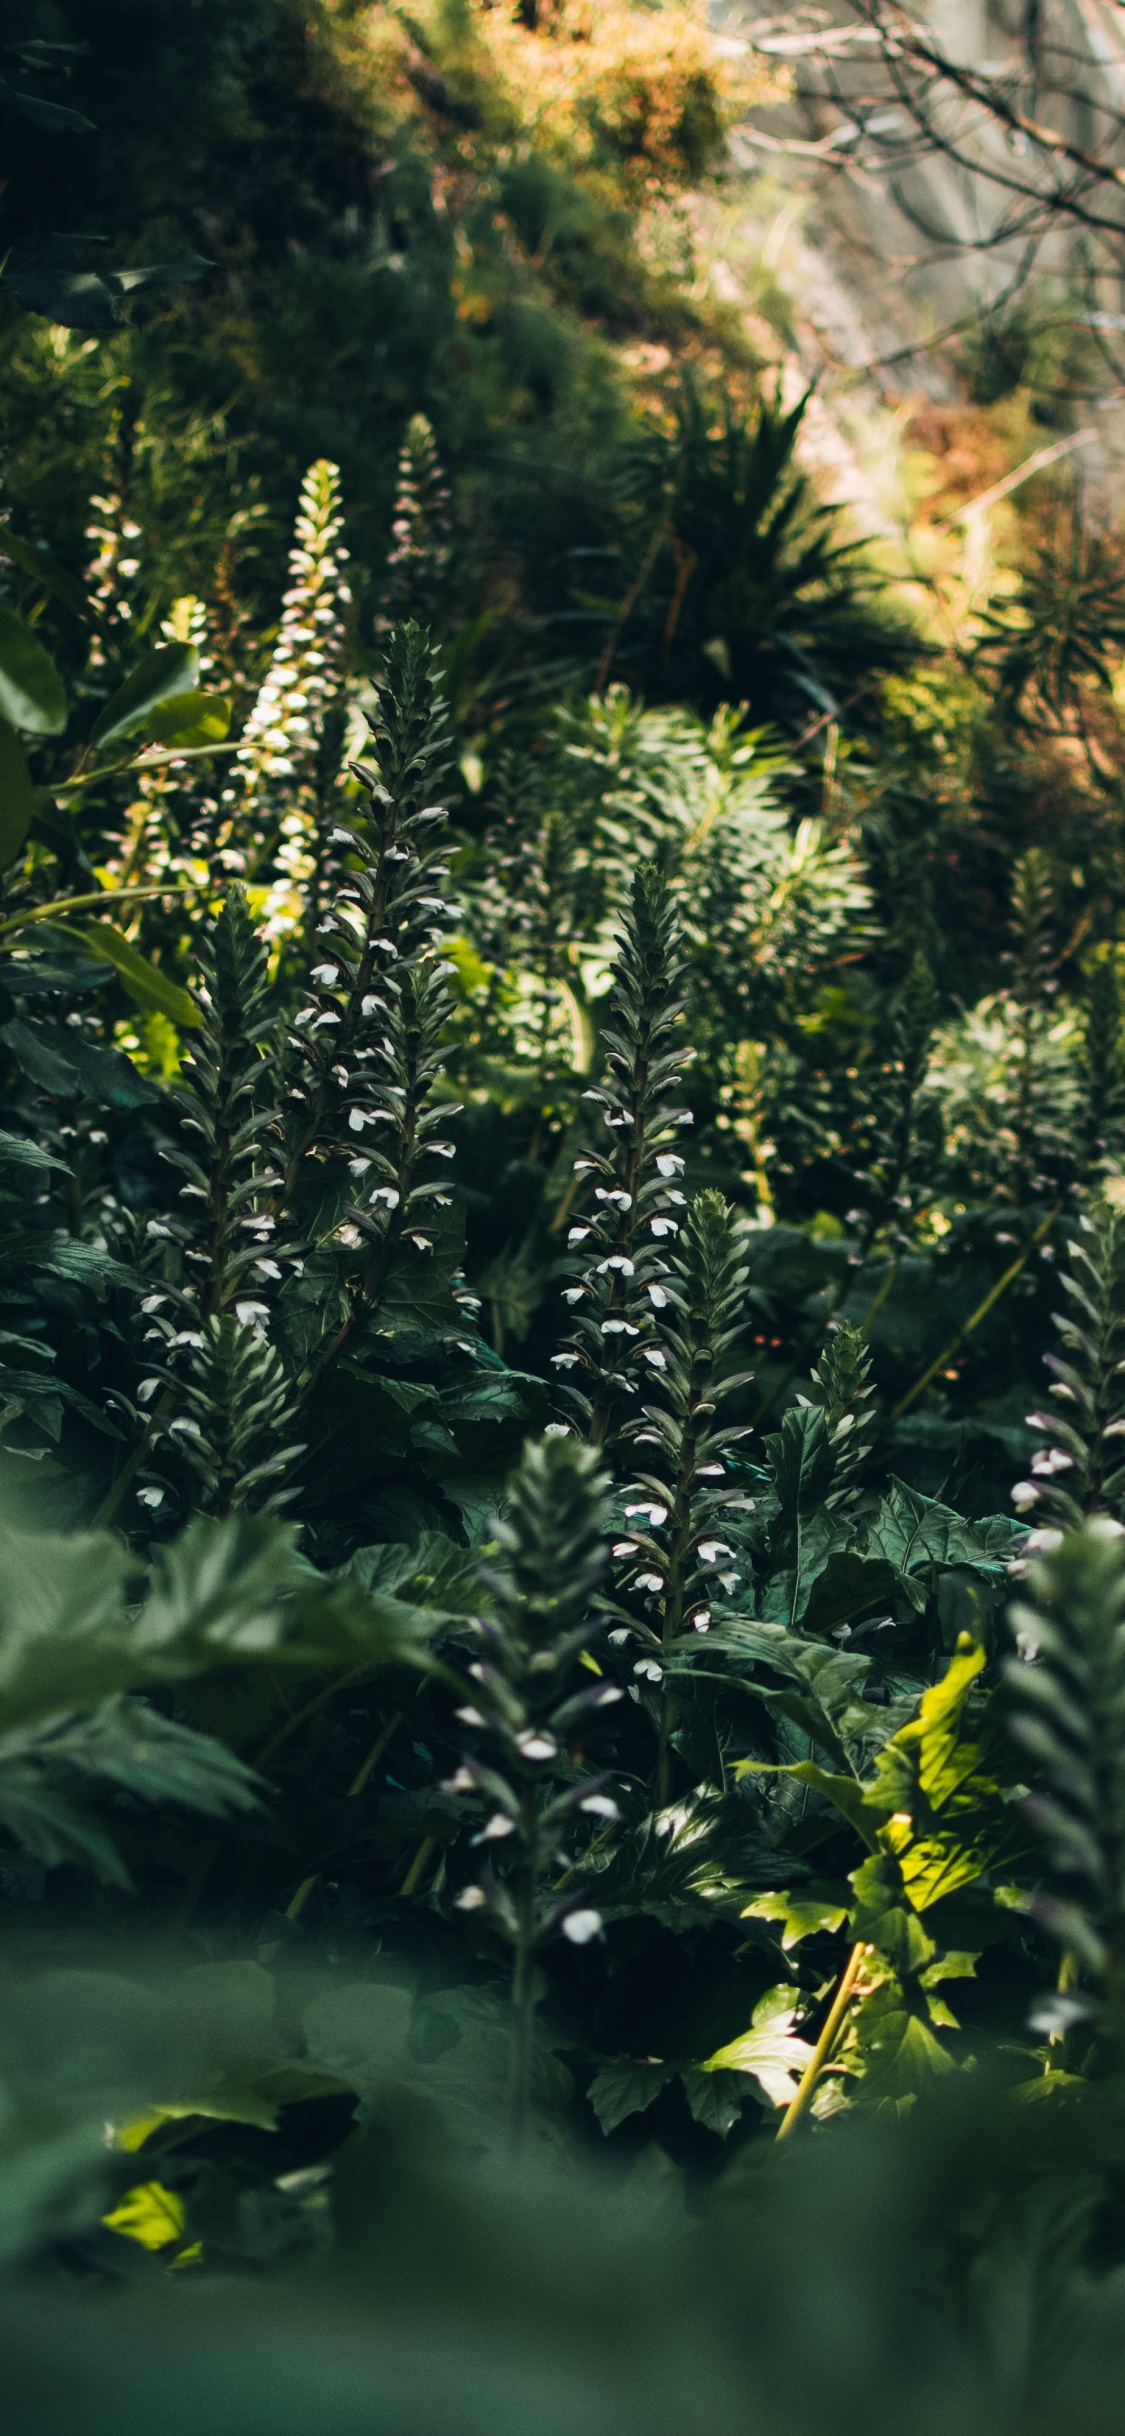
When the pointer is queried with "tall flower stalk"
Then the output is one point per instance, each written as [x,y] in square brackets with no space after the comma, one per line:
[529,1712]
[633,1222]
[675,1555]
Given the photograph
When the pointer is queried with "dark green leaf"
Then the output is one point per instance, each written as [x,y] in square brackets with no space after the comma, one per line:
[170,670]
[31,689]
[144,982]
[44,569]
[17,795]
[624,2087]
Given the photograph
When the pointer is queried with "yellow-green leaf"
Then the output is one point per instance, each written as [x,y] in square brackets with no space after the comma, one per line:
[151,2215]
[193,718]
[162,674]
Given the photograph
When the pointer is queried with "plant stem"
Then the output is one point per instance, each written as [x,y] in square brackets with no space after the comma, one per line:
[982,1310]
[523,1983]
[806,2087]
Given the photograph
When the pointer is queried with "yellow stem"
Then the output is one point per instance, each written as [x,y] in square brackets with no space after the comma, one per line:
[806,2086]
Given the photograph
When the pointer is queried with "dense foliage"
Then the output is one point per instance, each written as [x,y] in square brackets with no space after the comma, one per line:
[562,1188]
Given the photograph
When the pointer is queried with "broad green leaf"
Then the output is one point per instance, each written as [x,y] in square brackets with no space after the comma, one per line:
[149,987]
[910,1530]
[179,271]
[769,2051]
[624,2087]
[715,2099]
[54,117]
[849,1585]
[162,674]
[884,1916]
[76,300]
[843,1792]
[44,569]
[17,795]
[897,2048]
[189,719]
[800,1460]
[801,1911]
[18,1150]
[61,1062]
[31,689]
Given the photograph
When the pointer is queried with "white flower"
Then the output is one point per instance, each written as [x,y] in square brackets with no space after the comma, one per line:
[565,1361]
[578,1234]
[664,1226]
[574,1294]
[147,1390]
[650,1581]
[657,1297]
[463,1781]
[712,1549]
[657,1359]
[1048,1460]
[600,1806]
[649,1669]
[701,1620]
[325,972]
[1024,1495]
[247,1313]
[494,1828]
[150,1497]
[537,1746]
[654,1514]
[470,1717]
[471,1899]
[669,1165]
[616,1261]
[620,1633]
[581,1926]
[621,1547]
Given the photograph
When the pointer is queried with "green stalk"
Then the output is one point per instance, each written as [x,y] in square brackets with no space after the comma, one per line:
[982,1310]
[806,2087]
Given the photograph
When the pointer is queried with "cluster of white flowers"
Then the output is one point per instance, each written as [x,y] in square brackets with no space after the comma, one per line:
[277,753]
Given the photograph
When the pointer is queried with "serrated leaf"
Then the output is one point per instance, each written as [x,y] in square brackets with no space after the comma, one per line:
[150,2214]
[769,2051]
[623,2087]
[801,1911]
